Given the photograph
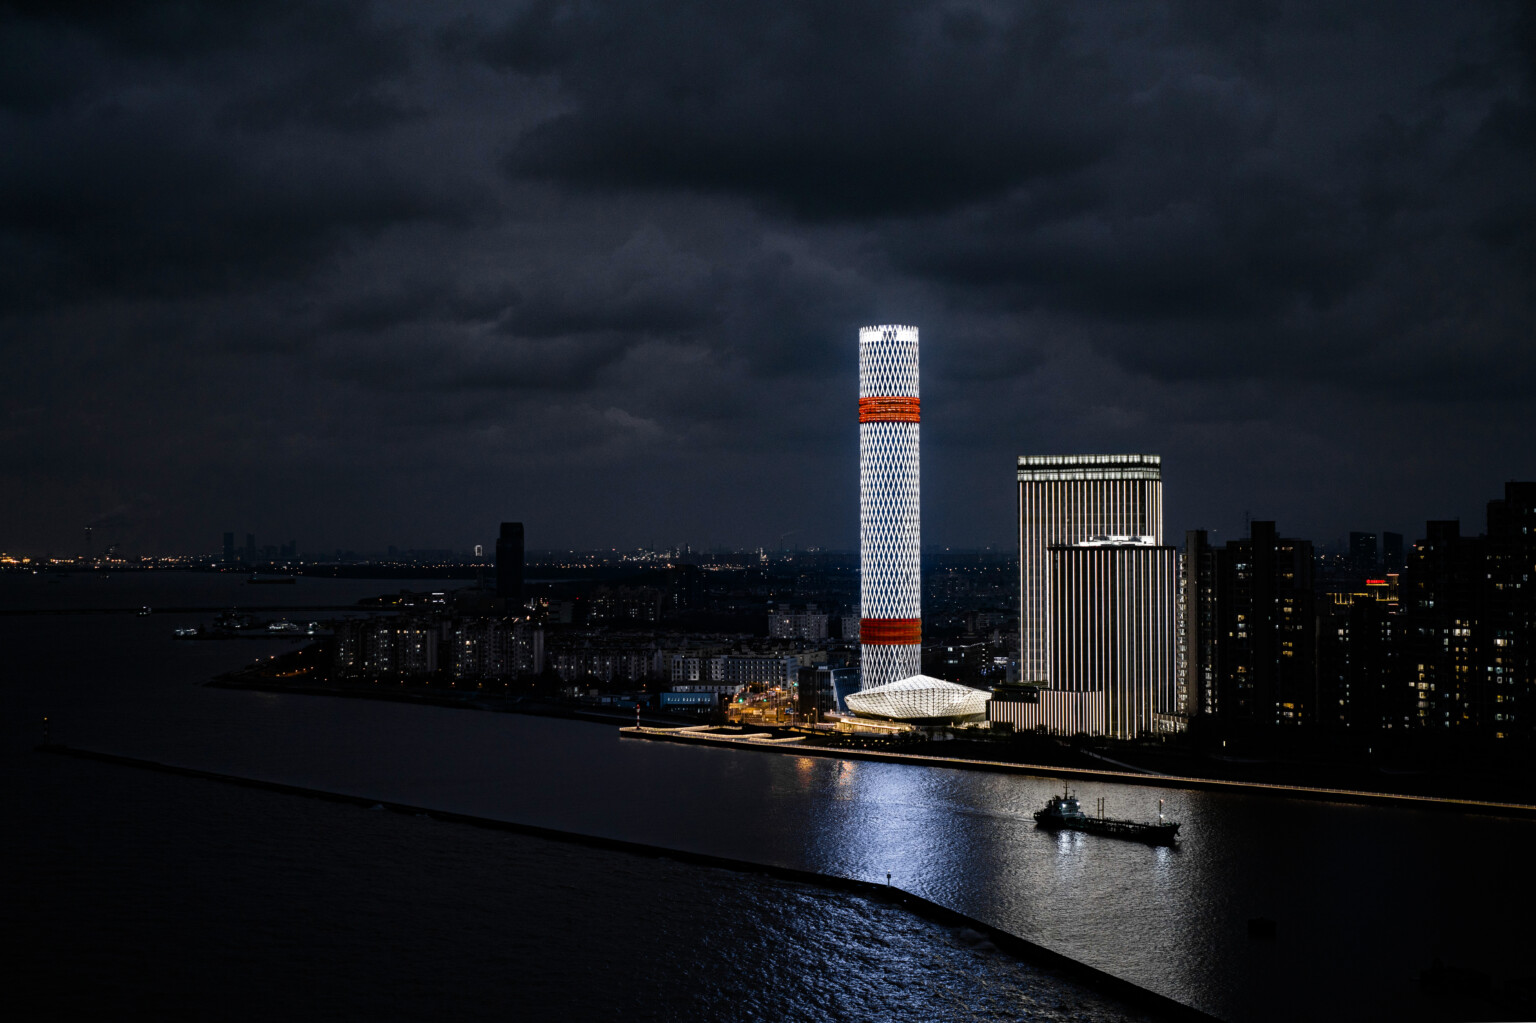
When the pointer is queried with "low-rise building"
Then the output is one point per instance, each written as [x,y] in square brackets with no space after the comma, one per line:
[812,626]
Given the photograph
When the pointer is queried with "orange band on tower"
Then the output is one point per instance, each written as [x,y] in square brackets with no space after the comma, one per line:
[891,631]
[888,410]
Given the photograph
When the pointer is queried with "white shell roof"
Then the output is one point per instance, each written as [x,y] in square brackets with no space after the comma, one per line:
[919,697]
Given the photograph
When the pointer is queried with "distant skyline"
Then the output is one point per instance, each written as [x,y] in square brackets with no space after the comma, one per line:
[360,275]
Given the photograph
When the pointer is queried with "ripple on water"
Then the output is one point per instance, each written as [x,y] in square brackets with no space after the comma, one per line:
[182,898]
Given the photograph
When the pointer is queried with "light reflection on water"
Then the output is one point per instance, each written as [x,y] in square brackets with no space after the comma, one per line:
[1361,894]
[202,902]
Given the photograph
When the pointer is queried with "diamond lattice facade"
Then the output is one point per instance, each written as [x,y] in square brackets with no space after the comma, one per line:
[890,630]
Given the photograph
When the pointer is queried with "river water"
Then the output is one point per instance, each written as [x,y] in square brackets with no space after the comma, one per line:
[1363,896]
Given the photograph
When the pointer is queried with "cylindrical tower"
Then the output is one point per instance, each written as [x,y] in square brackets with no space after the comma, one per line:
[891,629]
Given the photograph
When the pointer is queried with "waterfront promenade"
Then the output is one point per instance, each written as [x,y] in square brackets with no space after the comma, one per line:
[796,745]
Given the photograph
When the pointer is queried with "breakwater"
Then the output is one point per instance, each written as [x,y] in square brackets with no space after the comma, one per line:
[1160,1006]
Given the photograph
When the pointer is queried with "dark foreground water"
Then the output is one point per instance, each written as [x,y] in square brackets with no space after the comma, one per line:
[1364,897]
[149,896]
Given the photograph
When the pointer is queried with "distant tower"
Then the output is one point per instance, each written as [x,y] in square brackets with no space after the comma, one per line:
[509,564]
[1392,551]
[891,629]
[1363,556]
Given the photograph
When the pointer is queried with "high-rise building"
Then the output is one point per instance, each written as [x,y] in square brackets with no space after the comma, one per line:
[509,563]
[1444,586]
[1097,598]
[1468,626]
[1445,646]
[1392,552]
[1359,643]
[1200,626]
[890,629]
[1268,608]
[1112,617]
[1364,558]
[1112,629]
[1510,651]
[1069,499]
[1253,608]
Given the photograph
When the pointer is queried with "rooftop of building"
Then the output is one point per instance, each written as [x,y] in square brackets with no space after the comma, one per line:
[1111,543]
[1046,468]
[1084,461]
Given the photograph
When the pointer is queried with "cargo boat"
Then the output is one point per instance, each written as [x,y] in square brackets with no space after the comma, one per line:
[1063,813]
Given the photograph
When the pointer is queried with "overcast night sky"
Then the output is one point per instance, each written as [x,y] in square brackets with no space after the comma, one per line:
[365,274]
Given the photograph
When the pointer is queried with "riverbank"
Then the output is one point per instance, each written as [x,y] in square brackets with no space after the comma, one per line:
[458,699]
[768,742]
[1050,759]
[1159,1006]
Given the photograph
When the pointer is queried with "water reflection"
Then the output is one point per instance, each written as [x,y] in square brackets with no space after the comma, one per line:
[1353,889]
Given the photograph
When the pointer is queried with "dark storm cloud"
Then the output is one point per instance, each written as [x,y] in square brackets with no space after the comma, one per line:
[371,309]
[1233,255]
[830,110]
[119,203]
[371,274]
[643,287]
[1140,165]
[137,174]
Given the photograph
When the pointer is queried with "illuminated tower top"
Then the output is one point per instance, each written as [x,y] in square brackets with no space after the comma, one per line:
[888,363]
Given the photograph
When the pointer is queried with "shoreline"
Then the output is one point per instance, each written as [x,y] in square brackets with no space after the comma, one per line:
[1020,948]
[696,736]
[466,700]
[669,729]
